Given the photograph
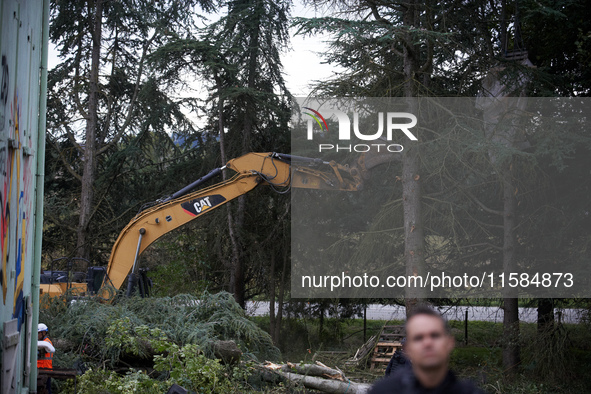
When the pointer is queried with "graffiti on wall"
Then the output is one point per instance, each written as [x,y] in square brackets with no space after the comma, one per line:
[14,180]
[6,189]
[4,83]
[15,183]
[3,222]
[24,176]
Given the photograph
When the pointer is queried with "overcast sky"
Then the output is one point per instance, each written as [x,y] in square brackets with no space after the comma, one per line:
[303,64]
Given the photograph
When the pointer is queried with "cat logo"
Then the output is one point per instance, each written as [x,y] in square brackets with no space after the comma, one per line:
[202,204]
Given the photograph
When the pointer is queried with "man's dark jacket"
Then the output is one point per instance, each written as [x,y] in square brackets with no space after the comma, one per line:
[403,381]
[398,360]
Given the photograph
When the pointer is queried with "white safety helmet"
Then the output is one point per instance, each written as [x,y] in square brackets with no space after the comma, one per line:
[42,327]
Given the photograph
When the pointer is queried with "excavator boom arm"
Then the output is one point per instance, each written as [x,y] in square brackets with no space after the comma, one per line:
[252,169]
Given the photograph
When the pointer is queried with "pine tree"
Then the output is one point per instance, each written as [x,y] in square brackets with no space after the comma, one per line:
[104,89]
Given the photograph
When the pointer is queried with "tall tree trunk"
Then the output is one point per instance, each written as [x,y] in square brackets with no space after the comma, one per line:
[495,86]
[231,225]
[279,319]
[321,311]
[272,285]
[414,244]
[90,143]
[219,87]
[237,276]
[511,357]
[414,241]
[545,315]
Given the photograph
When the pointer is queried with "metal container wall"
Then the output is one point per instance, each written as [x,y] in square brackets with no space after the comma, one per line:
[22,99]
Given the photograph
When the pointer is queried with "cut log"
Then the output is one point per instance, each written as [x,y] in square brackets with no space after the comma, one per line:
[326,385]
[57,373]
[314,370]
[317,383]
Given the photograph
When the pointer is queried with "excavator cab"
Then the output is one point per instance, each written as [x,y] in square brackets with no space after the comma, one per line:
[66,276]
[73,277]
[94,279]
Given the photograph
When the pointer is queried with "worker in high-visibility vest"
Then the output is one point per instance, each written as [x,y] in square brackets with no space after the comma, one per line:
[45,352]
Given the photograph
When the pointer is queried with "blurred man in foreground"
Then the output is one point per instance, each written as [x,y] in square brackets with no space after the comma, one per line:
[428,346]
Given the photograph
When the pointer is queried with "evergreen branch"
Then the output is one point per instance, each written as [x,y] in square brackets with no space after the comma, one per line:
[481,205]
[278,224]
[486,224]
[109,99]
[429,61]
[66,163]
[476,253]
[71,137]
[60,223]
[76,95]
[115,219]
[131,109]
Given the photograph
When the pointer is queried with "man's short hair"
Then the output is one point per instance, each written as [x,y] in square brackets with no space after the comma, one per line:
[423,309]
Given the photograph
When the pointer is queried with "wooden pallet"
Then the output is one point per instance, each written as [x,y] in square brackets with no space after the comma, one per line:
[388,342]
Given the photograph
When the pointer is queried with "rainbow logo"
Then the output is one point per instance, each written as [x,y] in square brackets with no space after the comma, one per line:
[316,119]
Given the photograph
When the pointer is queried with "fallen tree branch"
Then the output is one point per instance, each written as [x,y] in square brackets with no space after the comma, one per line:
[312,376]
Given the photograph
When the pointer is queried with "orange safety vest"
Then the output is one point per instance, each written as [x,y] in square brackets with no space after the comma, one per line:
[45,359]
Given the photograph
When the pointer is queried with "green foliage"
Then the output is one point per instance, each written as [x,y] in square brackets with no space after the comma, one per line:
[187,269]
[477,358]
[184,365]
[135,340]
[101,381]
[138,328]
[556,34]
[191,369]
[549,353]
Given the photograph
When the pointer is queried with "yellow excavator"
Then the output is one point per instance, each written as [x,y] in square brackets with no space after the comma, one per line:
[279,171]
